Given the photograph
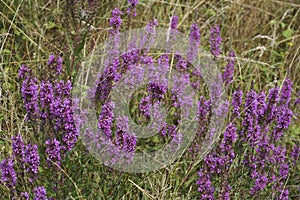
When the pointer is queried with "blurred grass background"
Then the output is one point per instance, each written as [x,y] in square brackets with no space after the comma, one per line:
[265,35]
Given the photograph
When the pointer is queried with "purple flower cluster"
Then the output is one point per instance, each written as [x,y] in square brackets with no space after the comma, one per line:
[125,139]
[205,187]
[40,193]
[254,133]
[145,106]
[295,154]
[25,157]
[106,118]
[53,151]
[148,37]
[29,91]
[116,21]
[132,7]
[215,41]
[171,35]
[229,69]
[237,98]
[8,173]
[258,125]
[55,65]
[49,103]
[219,162]
[174,22]
[18,147]
[24,195]
[32,160]
[194,43]
[285,93]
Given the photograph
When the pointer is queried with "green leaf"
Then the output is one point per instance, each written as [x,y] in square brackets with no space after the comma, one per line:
[16,31]
[51,25]
[79,48]
[282,25]
[6,51]
[272,22]
[288,33]
[211,12]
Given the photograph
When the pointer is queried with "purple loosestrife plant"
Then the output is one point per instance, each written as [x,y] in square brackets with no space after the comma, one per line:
[262,106]
[250,123]
[273,98]
[40,193]
[18,147]
[125,139]
[283,120]
[24,195]
[203,111]
[55,64]
[194,43]
[171,37]
[48,103]
[237,102]
[205,187]
[24,72]
[132,7]
[261,122]
[145,106]
[148,37]
[285,92]
[32,161]
[174,22]
[29,92]
[53,151]
[295,154]
[261,129]
[229,69]
[215,41]
[8,173]
[115,21]
[106,118]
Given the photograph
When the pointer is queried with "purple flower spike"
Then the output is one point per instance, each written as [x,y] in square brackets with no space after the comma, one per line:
[295,154]
[53,151]
[116,21]
[51,59]
[272,103]
[229,69]
[132,7]
[18,147]
[283,117]
[260,184]
[29,92]
[106,117]
[285,93]
[23,71]
[25,195]
[194,42]
[145,106]
[215,41]
[59,63]
[237,101]
[174,22]
[39,193]
[9,176]
[284,170]
[205,187]
[32,159]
